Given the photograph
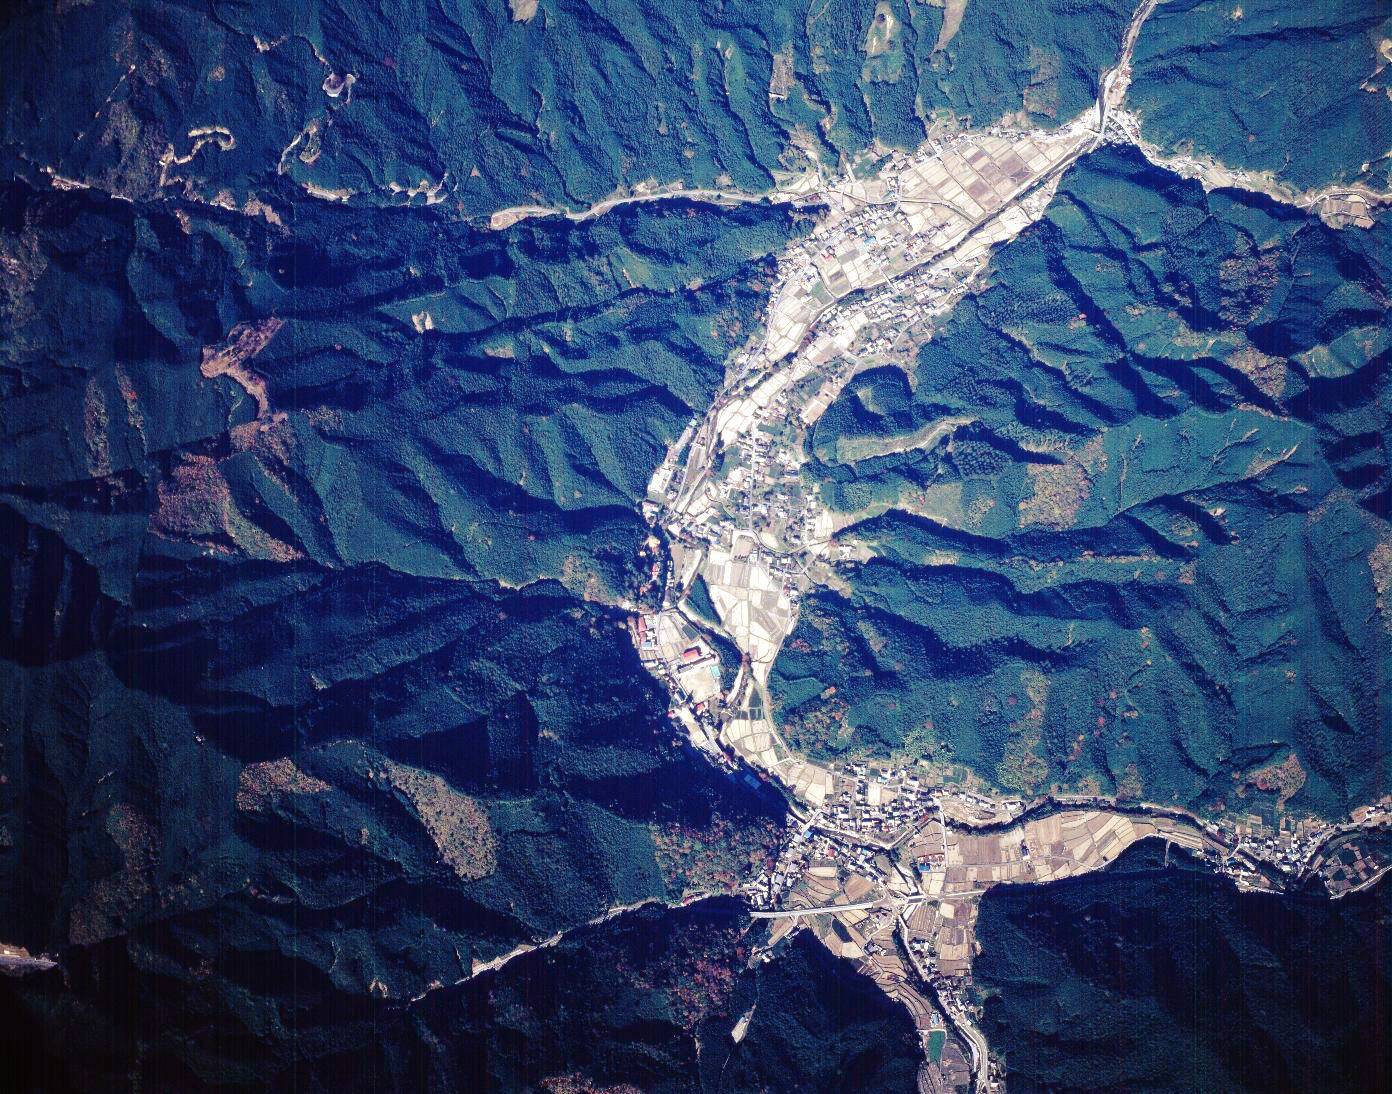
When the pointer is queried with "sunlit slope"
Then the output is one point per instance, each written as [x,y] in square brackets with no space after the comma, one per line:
[1150,555]
[440,401]
[1295,88]
[313,538]
[463,103]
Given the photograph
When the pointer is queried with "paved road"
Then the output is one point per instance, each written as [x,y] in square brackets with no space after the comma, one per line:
[793,913]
